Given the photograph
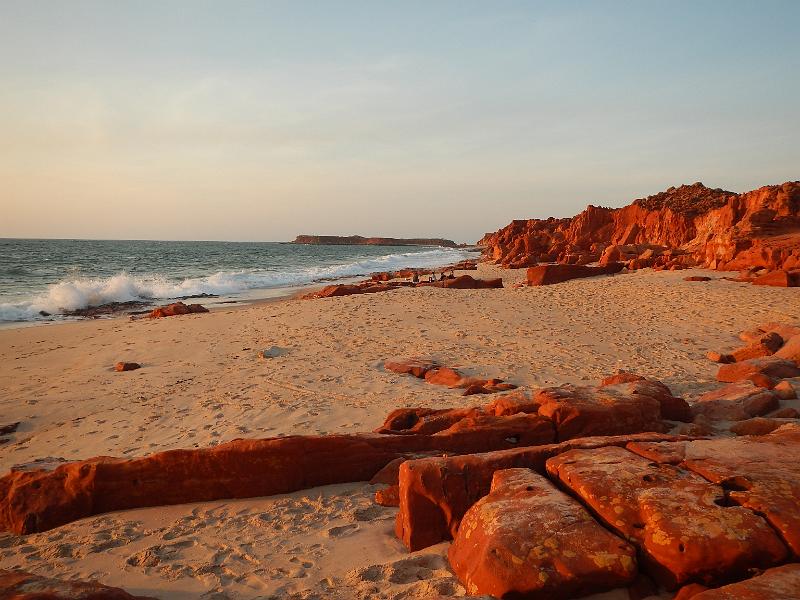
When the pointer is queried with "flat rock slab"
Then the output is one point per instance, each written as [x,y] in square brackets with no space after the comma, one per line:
[758,473]
[773,367]
[680,522]
[436,492]
[527,539]
[780,583]
[736,402]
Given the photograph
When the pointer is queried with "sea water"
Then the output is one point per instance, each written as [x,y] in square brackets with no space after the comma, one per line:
[56,276]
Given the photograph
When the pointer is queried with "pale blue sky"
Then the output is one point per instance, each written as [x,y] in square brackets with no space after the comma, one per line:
[261,120]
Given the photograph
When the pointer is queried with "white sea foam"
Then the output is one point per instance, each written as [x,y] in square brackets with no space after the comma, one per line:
[74,293]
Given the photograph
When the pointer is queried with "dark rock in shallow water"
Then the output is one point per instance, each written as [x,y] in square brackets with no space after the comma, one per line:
[203,295]
[44,313]
[111,308]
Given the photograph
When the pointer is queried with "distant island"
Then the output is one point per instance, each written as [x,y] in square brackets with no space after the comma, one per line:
[357,240]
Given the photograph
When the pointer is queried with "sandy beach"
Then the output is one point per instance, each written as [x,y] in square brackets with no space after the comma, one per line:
[202,383]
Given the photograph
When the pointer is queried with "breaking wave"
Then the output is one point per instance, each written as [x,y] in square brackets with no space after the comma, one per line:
[81,292]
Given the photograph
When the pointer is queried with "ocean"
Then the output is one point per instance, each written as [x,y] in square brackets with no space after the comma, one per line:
[58,276]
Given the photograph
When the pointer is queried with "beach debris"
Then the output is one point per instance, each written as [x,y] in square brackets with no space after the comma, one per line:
[126,366]
[273,352]
[21,585]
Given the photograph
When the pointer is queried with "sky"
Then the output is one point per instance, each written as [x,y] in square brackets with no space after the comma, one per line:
[262,120]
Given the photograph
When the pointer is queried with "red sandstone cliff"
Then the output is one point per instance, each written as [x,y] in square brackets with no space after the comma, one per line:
[690,225]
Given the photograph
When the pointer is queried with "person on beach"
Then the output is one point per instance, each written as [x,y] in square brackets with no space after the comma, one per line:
[452,275]
[415,277]
[442,277]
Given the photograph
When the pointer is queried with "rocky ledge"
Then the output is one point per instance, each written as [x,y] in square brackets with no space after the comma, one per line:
[757,232]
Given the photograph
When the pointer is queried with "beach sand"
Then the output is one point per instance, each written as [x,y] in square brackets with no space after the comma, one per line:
[202,383]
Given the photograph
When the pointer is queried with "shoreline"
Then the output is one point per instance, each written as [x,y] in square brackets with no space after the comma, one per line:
[202,384]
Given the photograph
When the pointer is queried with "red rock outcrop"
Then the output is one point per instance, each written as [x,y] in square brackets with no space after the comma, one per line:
[778,583]
[19,585]
[437,374]
[685,226]
[678,520]
[773,367]
[436,492]
[177,308]
[464,282]
[736,402]
[555,273]
[528,539]
[38,500]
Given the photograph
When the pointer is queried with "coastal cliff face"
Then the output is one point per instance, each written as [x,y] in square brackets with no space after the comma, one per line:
[692,224]
[357,240]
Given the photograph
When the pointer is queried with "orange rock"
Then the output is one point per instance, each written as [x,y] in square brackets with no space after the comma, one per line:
[554,273]
[689,591]
[767,345]
[678,520]
[717,357]
[785,391]
[388,496]
[620,377]
[778,583]
[528,539]
[32,501]
[761,474]
[779,278]
[127,366]
[412,366]
[19,585]
[790,350]
[444,376]
[178,308]
[697,278]
[691,225]
[436,492]
[519,401]
[771,366]
[736,402]
[758,426]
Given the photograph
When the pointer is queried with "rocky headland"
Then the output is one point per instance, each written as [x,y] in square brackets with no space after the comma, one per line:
[757,232]
[357,240]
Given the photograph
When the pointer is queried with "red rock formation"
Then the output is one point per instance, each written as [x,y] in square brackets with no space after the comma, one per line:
[550,274]
[689,225]
[438,375]
[178,308]
[678,520]
[736,402]
[19,585]
[773,584]
[465,282]
[773,367]
[32,501]
[779,278]
[126,366]
[528,539]
[436,492]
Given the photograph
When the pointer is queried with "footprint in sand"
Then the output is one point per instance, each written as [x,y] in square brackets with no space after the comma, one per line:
[343,531]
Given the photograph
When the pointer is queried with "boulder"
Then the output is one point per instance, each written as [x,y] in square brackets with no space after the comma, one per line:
[616,409]
[758,426]
[779,278]
[466,282]
[790,350]
[19,585]
[774,367]
[528,539]
[436,492]
[718,357]
[518,401]
[412,366]
[555,273]
[736,402]
[697,278]
[785,390]
[766,345]
[778,583]
[679,521]
[444,376]
[177,308]
[127,366]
